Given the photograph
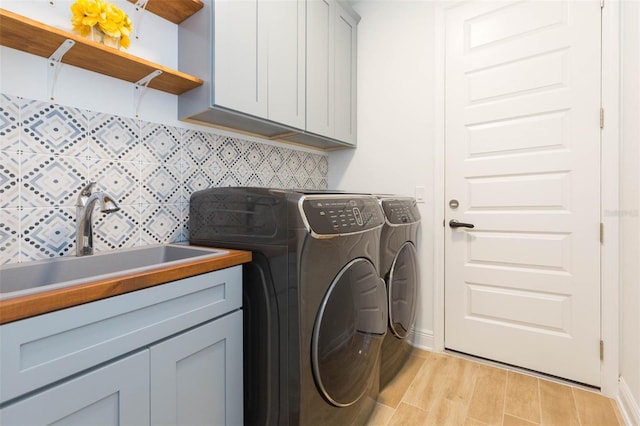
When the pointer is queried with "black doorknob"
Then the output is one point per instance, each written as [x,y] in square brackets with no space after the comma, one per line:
[455,224]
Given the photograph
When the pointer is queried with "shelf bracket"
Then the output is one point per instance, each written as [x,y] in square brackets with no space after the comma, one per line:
[55,61]
[141,8]
[141,87]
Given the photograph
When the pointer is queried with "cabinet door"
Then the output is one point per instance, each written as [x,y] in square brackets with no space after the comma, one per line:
[44,349]
[345,30]
[239,68]
[117,394]
[196,377]
[286,60]
[331,70]
[320,66]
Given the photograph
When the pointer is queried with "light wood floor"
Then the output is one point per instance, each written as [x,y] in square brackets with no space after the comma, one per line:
[442,389]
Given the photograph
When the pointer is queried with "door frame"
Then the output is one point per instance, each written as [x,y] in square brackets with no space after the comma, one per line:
[609,184]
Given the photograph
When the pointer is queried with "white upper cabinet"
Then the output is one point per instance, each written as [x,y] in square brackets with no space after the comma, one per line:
[283,69]
[259,58]
[286,61]
[240,60]
[344,81]
[320,14]
[331,70]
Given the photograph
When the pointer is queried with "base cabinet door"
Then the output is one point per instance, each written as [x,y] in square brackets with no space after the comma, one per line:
[196,377]
[116,394]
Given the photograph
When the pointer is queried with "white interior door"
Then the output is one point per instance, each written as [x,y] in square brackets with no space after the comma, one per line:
[522,153]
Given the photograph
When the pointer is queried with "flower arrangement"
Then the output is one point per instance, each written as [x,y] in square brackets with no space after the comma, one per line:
[113,22]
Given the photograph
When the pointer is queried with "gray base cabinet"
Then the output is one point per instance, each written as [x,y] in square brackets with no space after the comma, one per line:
[170,354]
[196,377]
[117,394]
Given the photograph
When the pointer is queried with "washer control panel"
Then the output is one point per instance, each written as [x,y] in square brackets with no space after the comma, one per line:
[400,211]
[341,215]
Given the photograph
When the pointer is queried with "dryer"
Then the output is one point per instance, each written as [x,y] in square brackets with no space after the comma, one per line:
[315,310]
[399,266]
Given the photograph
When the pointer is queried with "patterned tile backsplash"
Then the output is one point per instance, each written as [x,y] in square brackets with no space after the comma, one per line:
[48,152]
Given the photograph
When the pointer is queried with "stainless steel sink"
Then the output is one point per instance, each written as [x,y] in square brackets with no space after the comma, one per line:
[43,275]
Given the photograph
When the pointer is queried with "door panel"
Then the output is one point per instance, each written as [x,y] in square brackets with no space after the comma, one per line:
[320,65]
[285,61]
[345,76]
[240,57]
[511,136]
[196,376]
[115,394]
[523,159]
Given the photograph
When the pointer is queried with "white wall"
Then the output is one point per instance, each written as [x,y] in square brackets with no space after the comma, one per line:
[395,121]
[630,210]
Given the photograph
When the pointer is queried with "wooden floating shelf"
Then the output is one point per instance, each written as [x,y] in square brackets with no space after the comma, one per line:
[175,11]
[22,33]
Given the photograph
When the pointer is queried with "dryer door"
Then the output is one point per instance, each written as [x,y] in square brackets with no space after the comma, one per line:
[348,333]
[402,290]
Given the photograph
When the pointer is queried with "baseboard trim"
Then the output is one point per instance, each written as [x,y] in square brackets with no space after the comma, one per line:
[628,405]
[422,339]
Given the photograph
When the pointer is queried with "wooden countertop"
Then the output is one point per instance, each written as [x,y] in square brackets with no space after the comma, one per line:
[48,301]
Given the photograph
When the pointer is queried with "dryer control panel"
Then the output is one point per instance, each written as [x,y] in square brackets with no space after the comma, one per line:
[341,215]
[400,211]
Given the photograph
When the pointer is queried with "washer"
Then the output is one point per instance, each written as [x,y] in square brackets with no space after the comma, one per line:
[315,308]
[399,266]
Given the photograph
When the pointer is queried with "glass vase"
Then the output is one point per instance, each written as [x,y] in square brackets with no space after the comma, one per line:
[98,36]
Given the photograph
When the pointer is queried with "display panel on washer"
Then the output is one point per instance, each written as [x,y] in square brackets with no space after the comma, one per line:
[400,211]
[348,332]
[341,215]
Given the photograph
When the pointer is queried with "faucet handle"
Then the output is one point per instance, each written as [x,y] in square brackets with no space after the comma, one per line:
[109,205]
[85,194]
[88,189]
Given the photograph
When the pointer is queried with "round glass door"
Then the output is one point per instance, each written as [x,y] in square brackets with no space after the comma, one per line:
[402,290]
[348,333]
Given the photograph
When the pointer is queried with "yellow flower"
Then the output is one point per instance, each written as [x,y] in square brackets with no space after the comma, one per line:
[86,14]
[112,21]
[125,42]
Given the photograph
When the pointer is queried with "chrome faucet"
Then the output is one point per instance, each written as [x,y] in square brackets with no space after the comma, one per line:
[84,209]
